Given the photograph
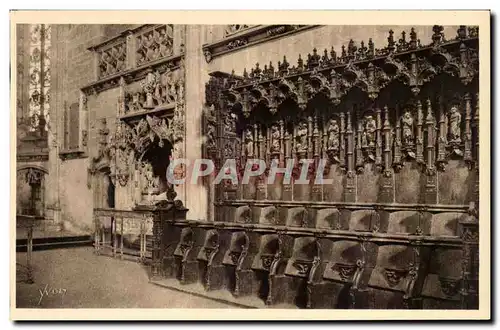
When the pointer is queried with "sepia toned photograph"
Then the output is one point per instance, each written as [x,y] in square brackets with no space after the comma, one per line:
[321,167]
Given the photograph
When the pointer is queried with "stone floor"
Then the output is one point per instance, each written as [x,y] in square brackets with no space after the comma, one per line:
[76,278]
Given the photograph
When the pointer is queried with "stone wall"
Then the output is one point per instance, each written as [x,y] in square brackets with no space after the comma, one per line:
[72,68]
[303,43]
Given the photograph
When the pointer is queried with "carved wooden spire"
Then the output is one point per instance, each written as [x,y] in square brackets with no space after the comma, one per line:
[391,44]
[468,132]
[431,129]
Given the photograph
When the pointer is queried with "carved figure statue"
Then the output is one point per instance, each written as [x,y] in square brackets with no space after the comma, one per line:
[210,136]
[275,138]
[152,182]
[249,142]
[369,131]
[333,135]
[407,121]
[301,137]
[121,57]
[230,122]
[455,120]
[148,43]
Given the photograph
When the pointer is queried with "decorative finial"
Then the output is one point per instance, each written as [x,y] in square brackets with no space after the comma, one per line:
[300,63]
[413,38]
[351,48]
[285,62]
[390,41]
[257,70]
[402,45]
[462,32]
[333,55]
[362,50]
[325,59]
[437,36]
[283,67]
[313,60]
[271,68]
[371,48]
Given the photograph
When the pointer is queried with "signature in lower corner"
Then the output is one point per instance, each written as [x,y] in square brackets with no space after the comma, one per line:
[50,292]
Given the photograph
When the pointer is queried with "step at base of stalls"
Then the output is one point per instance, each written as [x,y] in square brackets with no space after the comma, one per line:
[46,243]
[222,296]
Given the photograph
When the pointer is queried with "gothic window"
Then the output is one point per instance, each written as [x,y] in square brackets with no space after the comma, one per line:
[39,77]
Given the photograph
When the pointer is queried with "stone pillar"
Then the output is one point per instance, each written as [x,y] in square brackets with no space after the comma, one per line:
[196,76]
[56,131]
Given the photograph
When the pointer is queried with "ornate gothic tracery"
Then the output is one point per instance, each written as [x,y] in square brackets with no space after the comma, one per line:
[356,83]
[39,73]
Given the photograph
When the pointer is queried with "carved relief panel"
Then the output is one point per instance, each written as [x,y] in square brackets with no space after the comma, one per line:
[154,90]
[112,59]
[154,43]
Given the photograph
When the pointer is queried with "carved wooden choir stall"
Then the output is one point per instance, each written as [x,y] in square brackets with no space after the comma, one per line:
[398,225]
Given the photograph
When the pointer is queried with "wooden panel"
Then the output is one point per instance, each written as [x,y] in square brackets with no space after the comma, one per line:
[334,192]
[368,185]
[455,184]
[408,184]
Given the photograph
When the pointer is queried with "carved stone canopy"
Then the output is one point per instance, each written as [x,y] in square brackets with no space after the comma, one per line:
[358,66]
[140,135]
[132,139]
[33,175]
